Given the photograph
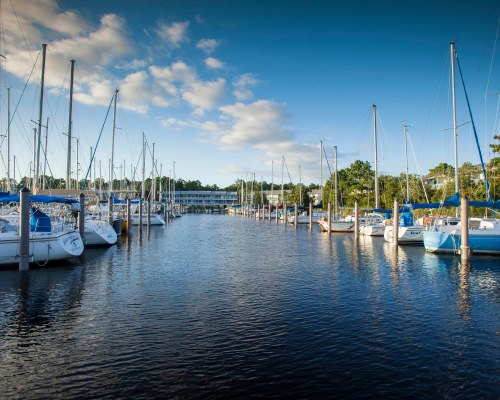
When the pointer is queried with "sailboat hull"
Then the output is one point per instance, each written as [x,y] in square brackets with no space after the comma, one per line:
[450,242]
[44,246]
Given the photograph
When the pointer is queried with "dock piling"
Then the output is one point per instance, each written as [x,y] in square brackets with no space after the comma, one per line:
[296,215]
[128,215]
[140,215]
[395,224]
[24,229]
[310,215]
[110,209]
[329,218]
[464,221]
[356,220]
[81,217]
[149,214]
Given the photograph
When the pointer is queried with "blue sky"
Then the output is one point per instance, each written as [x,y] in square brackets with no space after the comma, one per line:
[223,88]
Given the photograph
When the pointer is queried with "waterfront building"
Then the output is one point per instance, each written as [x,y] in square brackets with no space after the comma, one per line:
[202,197]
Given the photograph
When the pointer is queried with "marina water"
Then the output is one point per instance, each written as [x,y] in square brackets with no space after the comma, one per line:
[213,306]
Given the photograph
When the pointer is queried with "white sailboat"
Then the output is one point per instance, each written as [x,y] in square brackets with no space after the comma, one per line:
[374,227]
[50,239]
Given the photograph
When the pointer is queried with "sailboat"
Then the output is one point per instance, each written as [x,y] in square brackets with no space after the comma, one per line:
[485,239]
[371,220]
[50,239]
[376,227]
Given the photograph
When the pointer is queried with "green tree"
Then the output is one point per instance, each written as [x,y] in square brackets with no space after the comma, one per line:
[496,146]
[299,192]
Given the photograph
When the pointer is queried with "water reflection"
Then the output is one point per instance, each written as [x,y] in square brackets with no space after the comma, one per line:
[39,292]
[464,302]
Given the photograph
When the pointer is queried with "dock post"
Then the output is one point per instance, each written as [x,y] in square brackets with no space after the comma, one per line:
[140,215]
[149,214]
[329,218]
[464,221]
[310,215]
[24,230]
[110,210]
[263,212]
[276,215]
[269,212]
[285,214]
[81,217]
[356,220]
[296,215]
[128,215]
[395,224]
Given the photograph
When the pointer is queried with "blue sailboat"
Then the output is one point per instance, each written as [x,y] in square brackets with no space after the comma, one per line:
[483,239]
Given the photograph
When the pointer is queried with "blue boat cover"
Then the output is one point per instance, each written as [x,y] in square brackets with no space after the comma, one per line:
[453,201]
[38,199]
[39,221]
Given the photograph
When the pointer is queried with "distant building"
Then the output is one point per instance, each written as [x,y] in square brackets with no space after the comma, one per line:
[202,197]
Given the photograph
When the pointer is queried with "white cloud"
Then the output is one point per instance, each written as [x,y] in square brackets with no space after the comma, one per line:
[256,124]
[39,13]
[93,52]
[214,63]
[177,72]
[134,64]
[136,93]
[204,95]
[208,45]
[241,91]
[174,34]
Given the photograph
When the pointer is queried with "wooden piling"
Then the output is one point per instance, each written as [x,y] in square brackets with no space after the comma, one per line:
[356,220]
[148,222]
[24,229]
[310,215]
[285,214]
[110,209]
[296,215]
[140,215]
[128,215]
[395,223]
[329,218]
[464,221]
[81,217]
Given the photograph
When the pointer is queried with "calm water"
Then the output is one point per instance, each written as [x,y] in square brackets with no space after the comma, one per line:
[222,307]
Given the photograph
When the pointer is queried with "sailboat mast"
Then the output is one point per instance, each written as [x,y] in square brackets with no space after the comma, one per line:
[40,112]
[45,154]
[8,139]
[143,187]
[173,186]
[321,166]
[282,178]
[272,182]
[153,181]
[406,157]
[68,160]
[300,186]
[113,146]
[336,207]
[375,155]
[455,137]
